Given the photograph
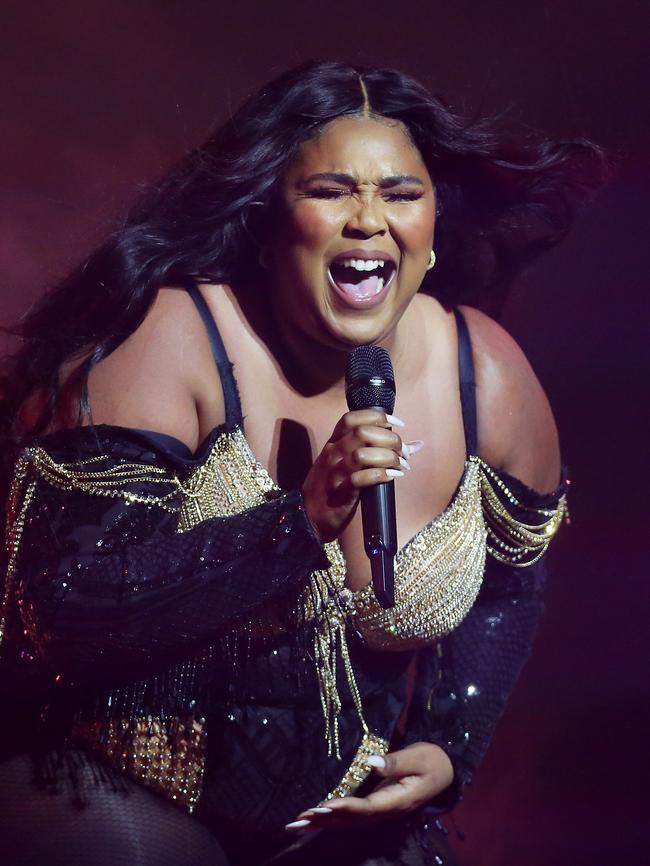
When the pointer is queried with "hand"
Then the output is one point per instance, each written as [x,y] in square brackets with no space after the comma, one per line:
[410,778]
[362,451]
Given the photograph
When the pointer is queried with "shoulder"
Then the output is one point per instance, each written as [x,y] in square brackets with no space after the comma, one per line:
[516,428]
[162,377]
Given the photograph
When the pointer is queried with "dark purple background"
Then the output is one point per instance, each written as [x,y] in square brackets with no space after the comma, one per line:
[98,97]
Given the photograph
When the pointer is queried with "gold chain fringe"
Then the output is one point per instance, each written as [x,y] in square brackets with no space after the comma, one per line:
[511,540]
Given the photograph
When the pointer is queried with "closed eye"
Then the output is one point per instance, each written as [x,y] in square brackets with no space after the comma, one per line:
[327,192]
[403,196]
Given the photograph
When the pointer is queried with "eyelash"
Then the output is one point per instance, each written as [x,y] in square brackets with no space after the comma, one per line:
[403,196]
[323,192]
[328,193]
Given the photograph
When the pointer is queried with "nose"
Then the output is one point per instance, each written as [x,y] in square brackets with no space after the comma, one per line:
[366,218]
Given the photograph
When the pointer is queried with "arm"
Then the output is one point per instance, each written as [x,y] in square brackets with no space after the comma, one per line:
[103,581]
[103,576]
[463,684]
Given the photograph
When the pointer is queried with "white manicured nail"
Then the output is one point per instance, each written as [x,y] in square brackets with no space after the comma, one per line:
[296,825]
[376,761]
[394,473]
[394,421]
[405,464]
[414,446]
[321,810]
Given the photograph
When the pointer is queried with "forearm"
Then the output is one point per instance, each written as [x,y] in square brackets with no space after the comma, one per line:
[113,582]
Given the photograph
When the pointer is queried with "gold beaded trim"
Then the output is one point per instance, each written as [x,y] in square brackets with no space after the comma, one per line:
[437,576]
[230,481]
[18,503]
[166,755]
[359,769]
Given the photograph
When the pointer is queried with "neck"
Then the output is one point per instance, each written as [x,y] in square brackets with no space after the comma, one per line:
[311,367]
[318,368]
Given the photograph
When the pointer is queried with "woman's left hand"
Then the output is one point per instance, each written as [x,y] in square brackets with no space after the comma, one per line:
[410,778]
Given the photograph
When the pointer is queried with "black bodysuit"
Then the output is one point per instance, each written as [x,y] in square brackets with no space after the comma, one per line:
[133,598]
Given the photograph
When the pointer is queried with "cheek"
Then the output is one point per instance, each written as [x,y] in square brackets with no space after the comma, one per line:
[413,230]
[420,231]
[311,224]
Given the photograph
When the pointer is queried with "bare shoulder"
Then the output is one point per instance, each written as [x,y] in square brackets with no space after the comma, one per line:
[162,377]
[516,428]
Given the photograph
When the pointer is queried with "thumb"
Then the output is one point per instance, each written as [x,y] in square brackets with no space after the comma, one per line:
[414,760]
[386,765]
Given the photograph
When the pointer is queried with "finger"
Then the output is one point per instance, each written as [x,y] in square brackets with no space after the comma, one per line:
[376,475]
[351,420]
[412,760]
[377,437]
[396,798]
[425,760]
[314,814]
[348,812]
[372,417]
[382,458]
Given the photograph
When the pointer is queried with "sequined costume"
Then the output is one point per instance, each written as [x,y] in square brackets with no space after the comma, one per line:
[198,639]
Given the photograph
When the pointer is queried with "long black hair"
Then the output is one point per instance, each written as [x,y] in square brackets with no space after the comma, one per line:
[499,207]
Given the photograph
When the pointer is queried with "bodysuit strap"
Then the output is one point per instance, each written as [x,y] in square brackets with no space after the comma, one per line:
[467,384]
[224,366]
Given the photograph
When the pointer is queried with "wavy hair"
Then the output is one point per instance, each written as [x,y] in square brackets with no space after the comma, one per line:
[499,206]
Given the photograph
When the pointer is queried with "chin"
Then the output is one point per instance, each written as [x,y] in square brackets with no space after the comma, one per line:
[357,329]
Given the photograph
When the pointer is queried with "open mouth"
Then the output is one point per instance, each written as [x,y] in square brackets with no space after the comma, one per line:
[361,279]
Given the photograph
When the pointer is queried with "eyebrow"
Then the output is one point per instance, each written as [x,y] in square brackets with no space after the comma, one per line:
[397,179]
[348,180]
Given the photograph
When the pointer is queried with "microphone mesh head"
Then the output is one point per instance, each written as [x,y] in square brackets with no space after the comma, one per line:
[369,379]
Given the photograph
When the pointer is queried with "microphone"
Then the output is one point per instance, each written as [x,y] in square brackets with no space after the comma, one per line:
[370,384]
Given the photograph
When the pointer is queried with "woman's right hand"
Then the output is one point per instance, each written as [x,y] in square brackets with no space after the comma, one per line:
[362,451]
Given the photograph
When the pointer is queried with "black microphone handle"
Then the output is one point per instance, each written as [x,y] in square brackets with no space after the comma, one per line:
[380,537]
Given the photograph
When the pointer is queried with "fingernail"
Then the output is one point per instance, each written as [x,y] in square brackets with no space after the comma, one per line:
[394,473]
[321,810]
[414,446]
[296,825]
[394,421]
[376,761]
[405,464]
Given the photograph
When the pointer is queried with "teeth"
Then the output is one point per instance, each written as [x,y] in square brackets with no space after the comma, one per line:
[363,264]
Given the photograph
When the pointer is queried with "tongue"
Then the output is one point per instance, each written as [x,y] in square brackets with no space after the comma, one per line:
[368,287]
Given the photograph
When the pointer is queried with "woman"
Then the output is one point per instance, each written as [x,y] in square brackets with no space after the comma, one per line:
[198,618]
